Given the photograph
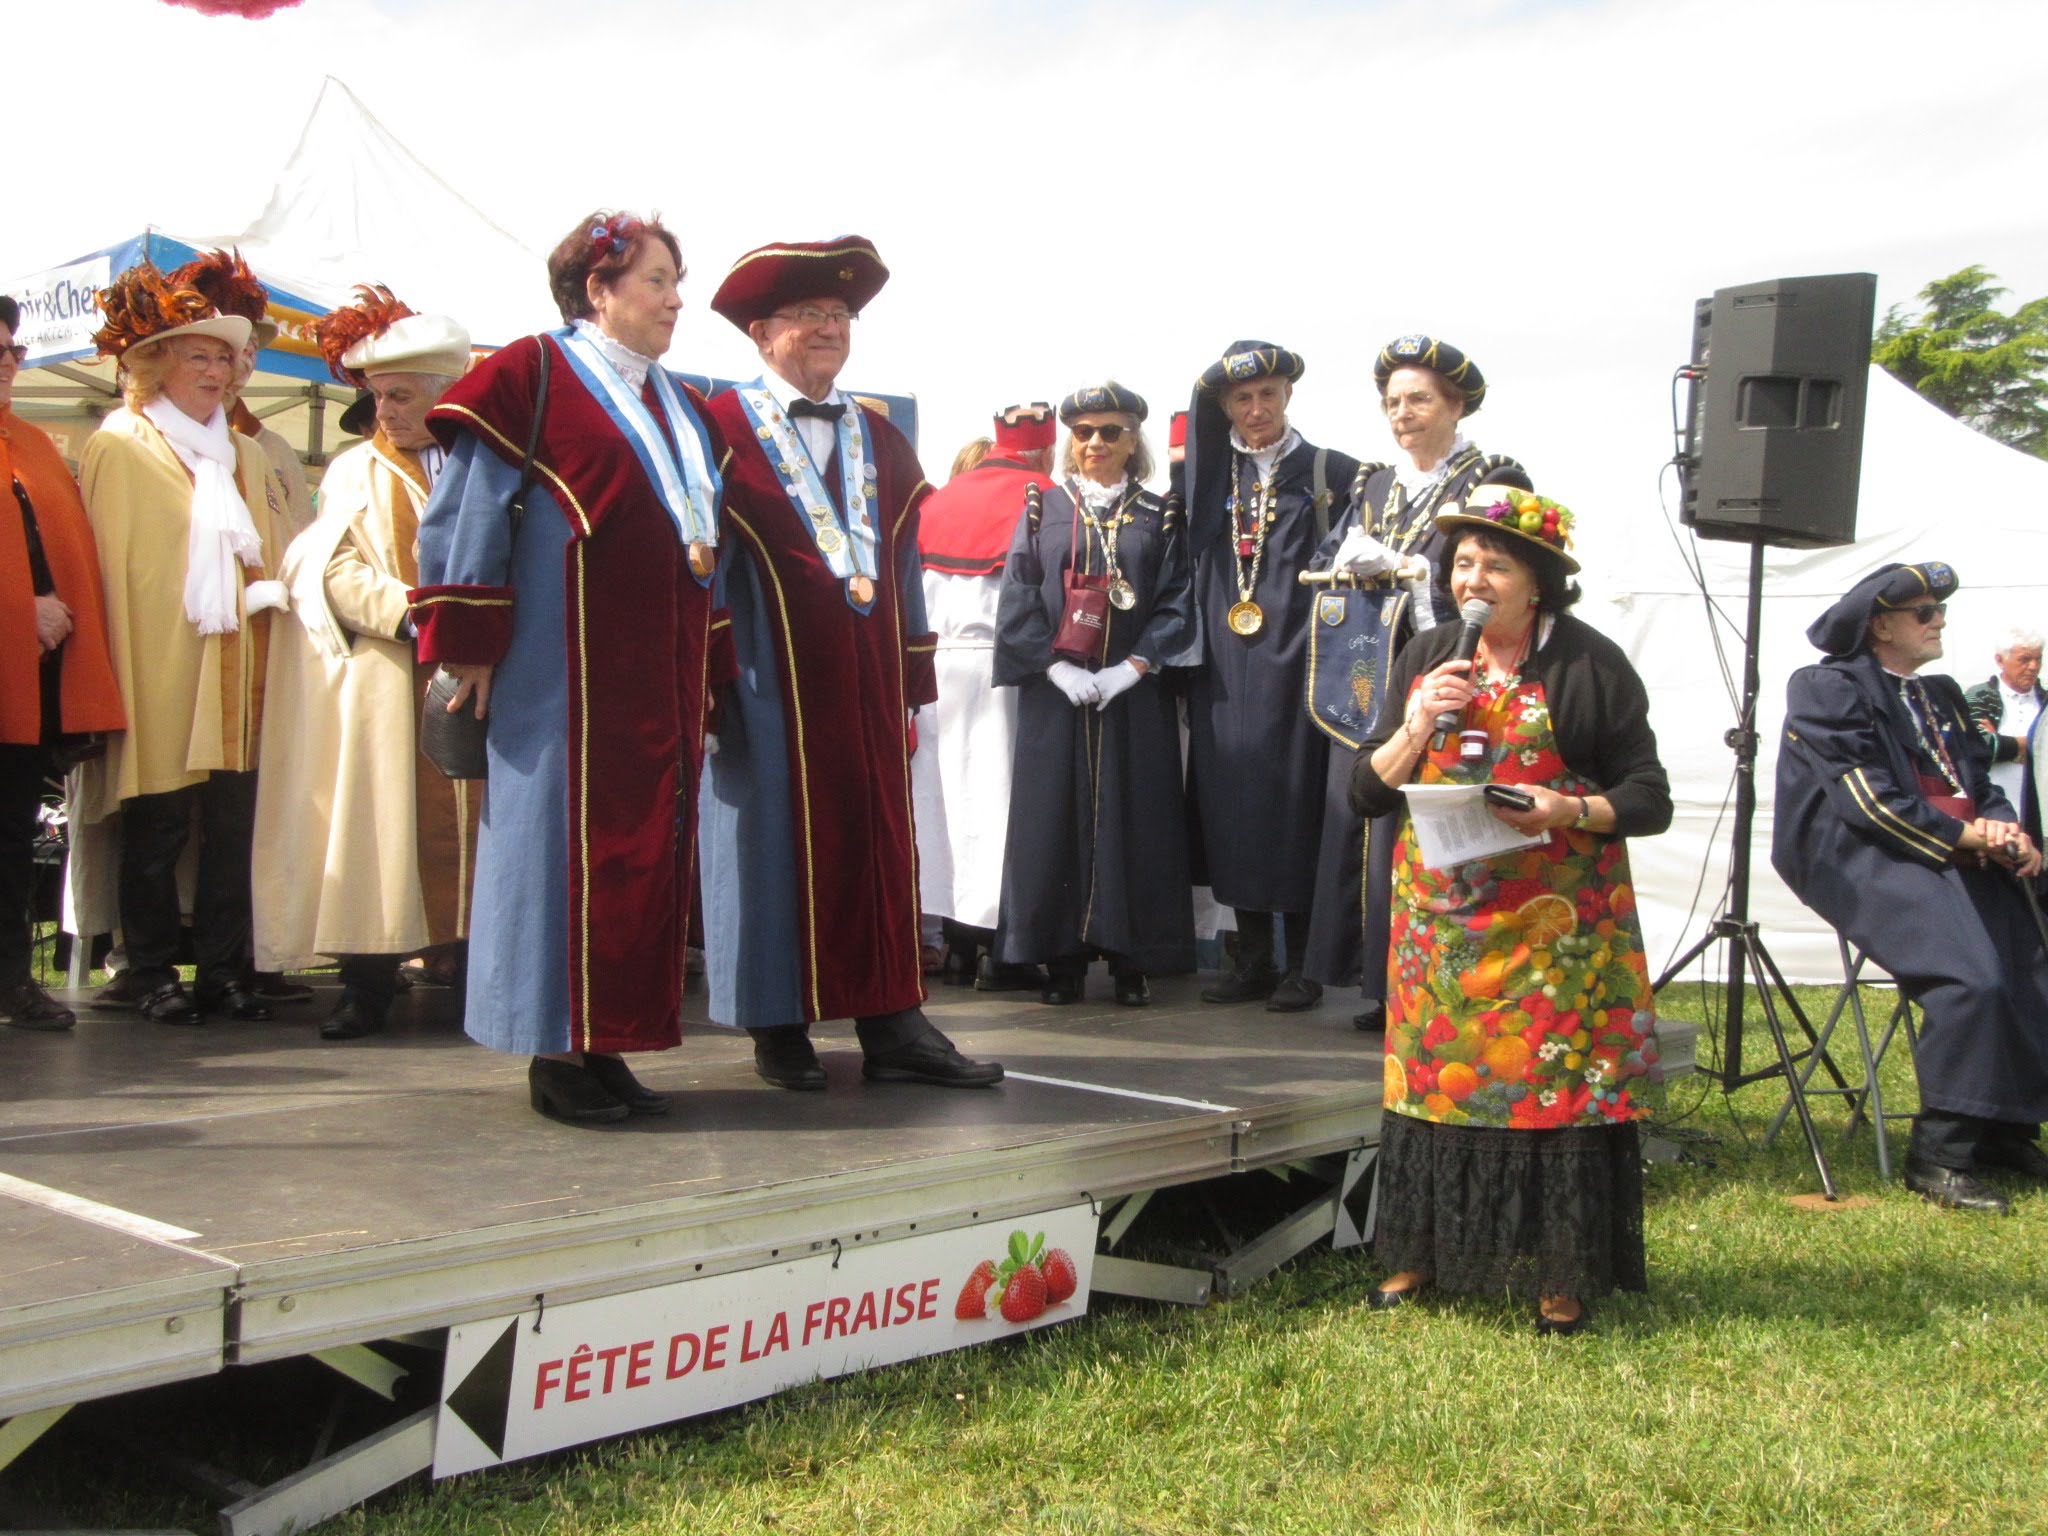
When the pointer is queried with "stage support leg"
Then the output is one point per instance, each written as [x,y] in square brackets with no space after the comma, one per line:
[1151,1282]
[24,1430]
[1277,1244]
[337,1482]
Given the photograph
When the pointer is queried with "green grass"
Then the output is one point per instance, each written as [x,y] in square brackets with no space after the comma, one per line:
[1875,1369]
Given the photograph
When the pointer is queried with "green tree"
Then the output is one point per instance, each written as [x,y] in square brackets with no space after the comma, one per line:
[1983,367]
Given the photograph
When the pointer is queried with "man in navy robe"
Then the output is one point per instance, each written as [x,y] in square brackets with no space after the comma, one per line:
[1888,825]
[809,858]
[1259,500]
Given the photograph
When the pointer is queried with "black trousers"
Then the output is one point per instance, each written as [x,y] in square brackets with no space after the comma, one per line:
[21,795]
[154,831]
[878,1033]
[1951,1140]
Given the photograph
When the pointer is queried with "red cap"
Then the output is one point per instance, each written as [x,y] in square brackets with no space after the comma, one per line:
[1177,430]
[765,279]
[1026,428]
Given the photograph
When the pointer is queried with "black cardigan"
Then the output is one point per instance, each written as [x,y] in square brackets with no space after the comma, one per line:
[1599,713]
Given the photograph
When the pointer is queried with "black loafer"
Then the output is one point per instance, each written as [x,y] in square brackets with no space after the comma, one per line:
[563,1091]
[1245,985]
[2010,1154]
[931,1059]
[121,991]
[354,1017]
[617,1079]
[1295,994]
[273,987]
[1953,1187]
[958,971]
[1061,992]
[1131,990]
[1372,1018]
[237,1000]
[28,1006]
[992,975]
[790,1062]
[168,1004]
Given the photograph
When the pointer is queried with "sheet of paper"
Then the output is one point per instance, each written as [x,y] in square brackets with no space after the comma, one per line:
[1454,825]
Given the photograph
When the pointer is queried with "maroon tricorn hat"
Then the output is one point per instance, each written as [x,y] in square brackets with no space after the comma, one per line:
[788,272]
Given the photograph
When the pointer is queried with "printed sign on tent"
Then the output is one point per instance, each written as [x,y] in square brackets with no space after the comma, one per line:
[561,1376]
[60,308]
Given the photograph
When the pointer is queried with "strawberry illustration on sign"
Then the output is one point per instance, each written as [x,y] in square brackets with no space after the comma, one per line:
[1023,1286]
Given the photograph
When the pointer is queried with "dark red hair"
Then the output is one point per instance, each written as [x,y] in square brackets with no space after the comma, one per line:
[602,245]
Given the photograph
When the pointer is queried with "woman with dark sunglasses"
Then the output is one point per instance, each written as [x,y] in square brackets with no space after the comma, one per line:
[1096,600]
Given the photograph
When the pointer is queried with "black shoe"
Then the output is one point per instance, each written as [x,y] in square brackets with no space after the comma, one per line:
[991,975]
[1131,990]
[931,1059]
[2015,1154]
[1295,994]
[355,1016]
[563,1091]
[617,1079]
[1061,989]
[1372,1018]
[1563,1328]
[958,971]
[168,1004]
[1953,1187]
[272,987]
[237,1000]
[789,1061]
[28,1006]
[1247,984]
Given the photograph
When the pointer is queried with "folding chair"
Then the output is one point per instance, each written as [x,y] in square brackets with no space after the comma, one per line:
[1866,1100]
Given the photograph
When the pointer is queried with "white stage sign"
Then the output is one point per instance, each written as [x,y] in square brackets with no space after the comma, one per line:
[60,308]
[561,1376]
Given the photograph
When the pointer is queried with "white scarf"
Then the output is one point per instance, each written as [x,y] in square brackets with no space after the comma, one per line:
[221,532]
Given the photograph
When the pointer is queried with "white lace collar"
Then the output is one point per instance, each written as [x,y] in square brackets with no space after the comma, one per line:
[1095,496]
[1265,458]
[629,365]
[1415,481]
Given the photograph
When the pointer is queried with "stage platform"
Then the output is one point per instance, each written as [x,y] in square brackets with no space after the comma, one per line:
[175,1201]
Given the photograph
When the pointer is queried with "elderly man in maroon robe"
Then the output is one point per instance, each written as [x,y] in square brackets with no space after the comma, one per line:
[809,859]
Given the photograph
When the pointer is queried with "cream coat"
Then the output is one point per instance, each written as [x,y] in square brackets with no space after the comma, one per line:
[337,867]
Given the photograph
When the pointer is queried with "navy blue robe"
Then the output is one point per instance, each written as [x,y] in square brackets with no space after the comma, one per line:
[1096,856]
[1856,842]
[1256,762]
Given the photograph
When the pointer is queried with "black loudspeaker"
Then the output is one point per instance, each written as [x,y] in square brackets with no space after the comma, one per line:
[1774,441]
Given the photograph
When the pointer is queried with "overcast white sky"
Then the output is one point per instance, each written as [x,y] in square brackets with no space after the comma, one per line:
[1067,191]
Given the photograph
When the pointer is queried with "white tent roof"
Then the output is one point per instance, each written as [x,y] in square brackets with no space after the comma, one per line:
[354,205]
[1932,488]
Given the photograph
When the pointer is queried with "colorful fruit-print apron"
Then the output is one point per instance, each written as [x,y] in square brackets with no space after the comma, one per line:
[1519,991]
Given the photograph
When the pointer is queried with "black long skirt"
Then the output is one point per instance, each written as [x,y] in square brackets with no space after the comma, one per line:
[1529,1213]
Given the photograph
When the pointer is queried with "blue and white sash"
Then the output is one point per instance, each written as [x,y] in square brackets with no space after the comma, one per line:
[848,551]
[688,489]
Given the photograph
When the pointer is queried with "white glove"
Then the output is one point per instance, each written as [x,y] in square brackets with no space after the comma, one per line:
[1111,681]
[1363,555]
[710,745]
[259,595]
[1077,683]
[1418,594]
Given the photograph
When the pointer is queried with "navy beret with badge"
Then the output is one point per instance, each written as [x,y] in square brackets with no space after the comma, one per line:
[1108,396]
[1845,628]
[1438,356]
[1243,361]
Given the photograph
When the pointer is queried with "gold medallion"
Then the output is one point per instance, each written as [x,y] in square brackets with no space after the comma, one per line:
[1245,618]
[863,590]
[1123,595]
[703,559]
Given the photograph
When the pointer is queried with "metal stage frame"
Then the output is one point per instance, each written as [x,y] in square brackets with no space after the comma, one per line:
[176,1202]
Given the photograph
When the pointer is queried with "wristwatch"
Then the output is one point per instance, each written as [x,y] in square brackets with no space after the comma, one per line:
[1584,820]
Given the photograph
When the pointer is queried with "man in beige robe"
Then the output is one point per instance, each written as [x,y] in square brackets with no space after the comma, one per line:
[364,850]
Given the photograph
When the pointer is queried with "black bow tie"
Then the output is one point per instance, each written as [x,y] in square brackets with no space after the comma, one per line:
[817,408]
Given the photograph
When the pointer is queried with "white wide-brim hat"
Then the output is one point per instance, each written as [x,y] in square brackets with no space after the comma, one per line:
[415,344]
[232,329]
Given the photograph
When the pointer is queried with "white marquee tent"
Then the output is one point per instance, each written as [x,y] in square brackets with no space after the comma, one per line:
[1932,488]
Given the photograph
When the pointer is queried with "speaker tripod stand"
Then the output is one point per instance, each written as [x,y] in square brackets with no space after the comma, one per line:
[1746,955]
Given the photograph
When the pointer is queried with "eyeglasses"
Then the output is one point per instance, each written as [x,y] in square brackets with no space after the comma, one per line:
[811,315]
[1924,614]
[19,352]
[1087,432]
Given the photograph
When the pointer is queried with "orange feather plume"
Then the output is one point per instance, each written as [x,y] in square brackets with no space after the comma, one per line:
[375,311]
[226,280]
[142,303]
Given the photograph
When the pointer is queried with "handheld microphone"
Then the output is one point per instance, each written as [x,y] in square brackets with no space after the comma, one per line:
[1474,615]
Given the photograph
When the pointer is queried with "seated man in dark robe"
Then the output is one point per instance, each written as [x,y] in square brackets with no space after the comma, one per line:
[1888,825]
